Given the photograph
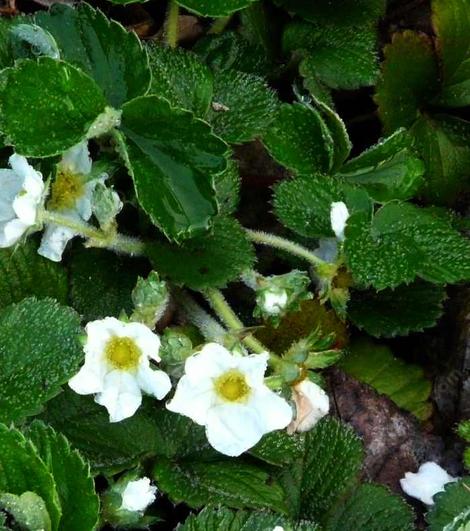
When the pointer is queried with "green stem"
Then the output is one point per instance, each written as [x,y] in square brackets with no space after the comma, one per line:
[172,24]
[270,240]
[219,25]
[96,238]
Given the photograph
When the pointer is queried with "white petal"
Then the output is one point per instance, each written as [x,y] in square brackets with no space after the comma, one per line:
[138,495]
[312,404]
[193,400]
[31,180]
[253,367]
[339,215]
[121,395]
[428,481]
[26,208]
[145,339]
[87,381]
[234,428]
[210,362]
[98,334]
[153,382]
[84,203]
[54,241]
[274,303]
[77,159]
[10,186]
[327,250]
[273,409]
[11,232]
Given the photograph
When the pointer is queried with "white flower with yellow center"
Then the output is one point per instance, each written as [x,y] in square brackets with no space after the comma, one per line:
[117,367]
[226,394]
[138,495]
[71,196]
[311,403]
[21,194]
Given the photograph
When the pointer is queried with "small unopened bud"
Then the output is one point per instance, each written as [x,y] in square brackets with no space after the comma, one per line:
[150,297]
[106,205]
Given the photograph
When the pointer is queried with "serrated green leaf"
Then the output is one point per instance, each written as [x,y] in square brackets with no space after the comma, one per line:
[443,142]
[279,448]
[75,486]
[28,511]
[173,159]
[214,8]
[398,312]
[403,242]
[303,204]
[451,21]
[47,106]
[181,77]
[409,79]
[299,139]
[403,383]
[24,273]
[22,470]
[372,508]
[39,352]
[342,57]
[221,518]
[328,467]
[30,40]
[313,85]
[211,260]
[103,49]
[234,483]
[5,49]
[102,283]
[243,106]
[451,510]
[227,189]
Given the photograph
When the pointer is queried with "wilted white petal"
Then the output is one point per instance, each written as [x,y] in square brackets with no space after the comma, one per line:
[428,481]
[138,495]
[339,215]
[312,404]
[77,159]
[54,240]
[11,232]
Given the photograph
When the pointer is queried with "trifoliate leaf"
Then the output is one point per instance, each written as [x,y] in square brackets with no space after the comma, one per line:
[409,79]
[443,142]
[173,159]
[370,508]
[47,106]
[102,283]
[103,49]
[28,511]
[242,107]
[303,204]
[75,486]
[399,311]
[39,351]
[327,468]
[401,242]
[403,383]
[451,510]
[24,273]
[214,8]
[181,77]
[451,21]
[389,170]
[212,260]
[22,470]
[227,189]
[299,139]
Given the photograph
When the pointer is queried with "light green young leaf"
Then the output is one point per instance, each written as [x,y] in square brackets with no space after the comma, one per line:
[75,485]
[181,77]
[24,273]
[39,352]
[28,511]
[22,470]
[214,8]
[211,260]
[299,139]
[173,160]
[409,79]
[397,312]
[242,107]
[372,508]
[103,49]
[47,106]
[403,383]
[451,510]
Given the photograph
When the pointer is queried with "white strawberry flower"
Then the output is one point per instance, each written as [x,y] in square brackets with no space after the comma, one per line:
[427,482]
[312,404]
[226,394]
[117,367]
[71,196]
[138,495]
[273,302]
[21,194]
[339,215]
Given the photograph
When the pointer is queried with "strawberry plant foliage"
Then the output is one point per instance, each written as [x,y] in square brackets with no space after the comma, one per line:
[204,206]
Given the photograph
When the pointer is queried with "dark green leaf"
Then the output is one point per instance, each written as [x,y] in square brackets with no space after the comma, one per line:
[47,106]
[103,49]
[279,448]
[451,511]
[211,260]
[403,383]
[39,351]
[227,189]
[214,8]
[28,511]
[173,159]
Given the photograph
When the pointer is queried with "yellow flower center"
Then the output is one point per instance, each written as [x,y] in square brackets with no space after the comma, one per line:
[123,353]
[232,386]
[65,190]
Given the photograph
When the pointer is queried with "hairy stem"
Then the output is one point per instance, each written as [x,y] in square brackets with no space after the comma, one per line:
[171,27]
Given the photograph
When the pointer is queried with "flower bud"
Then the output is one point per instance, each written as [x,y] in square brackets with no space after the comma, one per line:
[150,297]
[106,205]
